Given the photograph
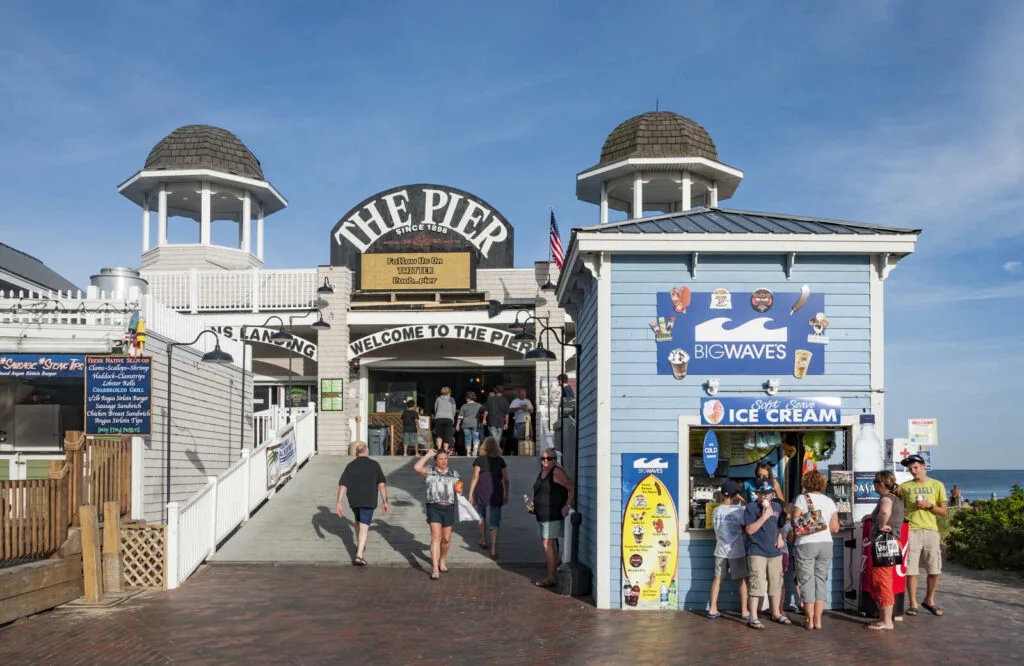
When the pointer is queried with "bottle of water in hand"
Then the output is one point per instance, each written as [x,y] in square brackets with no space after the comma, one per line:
[528,503]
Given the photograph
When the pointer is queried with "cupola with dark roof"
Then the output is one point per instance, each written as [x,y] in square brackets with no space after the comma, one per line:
[657,162]
[204,174]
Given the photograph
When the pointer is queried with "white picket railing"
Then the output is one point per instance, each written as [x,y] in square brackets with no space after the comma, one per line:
[197,526]
[252,290]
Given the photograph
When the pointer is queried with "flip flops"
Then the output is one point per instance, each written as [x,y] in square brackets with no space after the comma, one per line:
[435,576]
[713,616]
[359,562]
[932,608]
[782,619]
[877,627]
[755,624]
[911,611]
[545,583]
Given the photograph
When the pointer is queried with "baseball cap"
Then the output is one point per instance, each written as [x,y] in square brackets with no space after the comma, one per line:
[763,486]
[909,460]
[730,488]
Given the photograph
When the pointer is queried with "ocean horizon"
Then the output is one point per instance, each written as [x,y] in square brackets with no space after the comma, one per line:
[979,483]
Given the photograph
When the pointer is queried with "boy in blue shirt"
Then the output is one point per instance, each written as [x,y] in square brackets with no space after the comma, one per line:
[764,553]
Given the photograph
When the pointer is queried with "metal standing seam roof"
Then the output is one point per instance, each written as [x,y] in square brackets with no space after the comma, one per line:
[32,270]
[725,221]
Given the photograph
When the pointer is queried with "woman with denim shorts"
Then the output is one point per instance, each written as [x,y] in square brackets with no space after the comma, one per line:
[442,487]
[553,494]
[489,491]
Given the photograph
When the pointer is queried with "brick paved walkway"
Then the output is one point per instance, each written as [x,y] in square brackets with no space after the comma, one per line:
[329,614]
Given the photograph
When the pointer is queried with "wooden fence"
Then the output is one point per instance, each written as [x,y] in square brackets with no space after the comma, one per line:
[33,519]
[98,470]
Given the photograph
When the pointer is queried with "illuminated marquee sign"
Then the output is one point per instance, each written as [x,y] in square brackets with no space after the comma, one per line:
[417,271]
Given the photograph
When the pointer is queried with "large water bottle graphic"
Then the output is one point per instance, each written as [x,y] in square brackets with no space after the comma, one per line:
[868,459]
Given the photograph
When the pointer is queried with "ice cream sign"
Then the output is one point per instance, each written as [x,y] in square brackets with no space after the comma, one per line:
[723,333]
[770,411]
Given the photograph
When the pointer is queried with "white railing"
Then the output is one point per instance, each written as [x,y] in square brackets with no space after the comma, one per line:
[225,291]
[167,323]
[56,308]
[266,423]
[196,527]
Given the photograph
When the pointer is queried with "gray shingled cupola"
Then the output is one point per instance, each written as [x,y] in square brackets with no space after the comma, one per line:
[204,174]
[657,162]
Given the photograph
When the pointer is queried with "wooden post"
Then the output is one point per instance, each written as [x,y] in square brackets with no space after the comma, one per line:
[113,574]
[91,554]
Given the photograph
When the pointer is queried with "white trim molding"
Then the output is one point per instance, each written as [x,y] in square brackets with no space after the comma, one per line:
[876,309]
[603,480]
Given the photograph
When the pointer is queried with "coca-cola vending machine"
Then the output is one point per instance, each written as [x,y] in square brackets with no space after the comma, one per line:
[865,601]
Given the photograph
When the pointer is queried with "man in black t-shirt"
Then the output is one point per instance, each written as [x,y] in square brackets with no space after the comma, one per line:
[362,479]
[410,429]
[496,414]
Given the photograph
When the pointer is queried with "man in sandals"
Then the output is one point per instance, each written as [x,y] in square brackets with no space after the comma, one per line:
[764,553]
[362,479]
[924,500]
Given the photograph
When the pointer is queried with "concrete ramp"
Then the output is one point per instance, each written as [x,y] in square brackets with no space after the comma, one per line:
[299,524]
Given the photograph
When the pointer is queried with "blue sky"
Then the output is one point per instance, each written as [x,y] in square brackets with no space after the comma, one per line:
[888,112]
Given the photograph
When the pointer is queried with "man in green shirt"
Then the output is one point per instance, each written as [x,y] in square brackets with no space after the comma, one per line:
[925,500]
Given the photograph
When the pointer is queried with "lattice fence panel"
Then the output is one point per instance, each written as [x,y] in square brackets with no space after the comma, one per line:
[144,549]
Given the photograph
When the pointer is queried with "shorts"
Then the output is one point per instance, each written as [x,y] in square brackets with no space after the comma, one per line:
[489,514]
[552,529]
[441,513]
[443,428]
[410,440]
[737,566]
[765,575]
[881,581]
[363,515]
[924,552]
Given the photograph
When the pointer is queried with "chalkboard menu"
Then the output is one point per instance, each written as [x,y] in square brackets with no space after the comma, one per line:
[118,395]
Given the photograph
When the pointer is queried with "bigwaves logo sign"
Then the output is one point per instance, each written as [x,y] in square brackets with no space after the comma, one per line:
[742,340]
[654,466]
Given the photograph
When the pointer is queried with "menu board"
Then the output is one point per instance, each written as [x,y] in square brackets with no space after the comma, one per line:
[118,395]
[332,397]
[650,531]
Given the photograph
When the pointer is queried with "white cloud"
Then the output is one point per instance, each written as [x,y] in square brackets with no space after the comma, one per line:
[1011,266]
[952,167]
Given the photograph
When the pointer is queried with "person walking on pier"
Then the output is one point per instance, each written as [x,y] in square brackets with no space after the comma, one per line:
[362,479]
[442,487]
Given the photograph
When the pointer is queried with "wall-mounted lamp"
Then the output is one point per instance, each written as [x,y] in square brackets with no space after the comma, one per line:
[771,386]
[711,386]
[325,288]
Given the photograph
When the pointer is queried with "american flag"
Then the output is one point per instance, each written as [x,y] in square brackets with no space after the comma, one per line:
[557,253]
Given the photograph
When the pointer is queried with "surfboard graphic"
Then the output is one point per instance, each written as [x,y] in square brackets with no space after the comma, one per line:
[650,545]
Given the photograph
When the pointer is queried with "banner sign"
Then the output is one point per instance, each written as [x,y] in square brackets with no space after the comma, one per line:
[471,333]
[118,395]
[423,218]
[262,334]
[722,333]
[650,530]
[440,271]
[923,432]
[710,452]
[42,366]
[281,458]
[770,411]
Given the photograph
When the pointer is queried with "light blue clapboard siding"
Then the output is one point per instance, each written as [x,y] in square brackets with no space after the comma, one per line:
[586,337]
[646,406]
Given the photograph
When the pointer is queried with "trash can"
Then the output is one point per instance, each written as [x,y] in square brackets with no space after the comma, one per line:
[377,437]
